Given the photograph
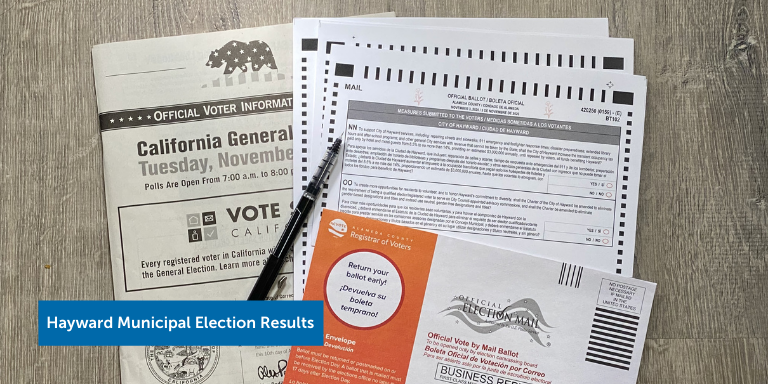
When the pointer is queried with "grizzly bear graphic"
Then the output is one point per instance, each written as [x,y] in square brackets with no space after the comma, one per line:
[236,54]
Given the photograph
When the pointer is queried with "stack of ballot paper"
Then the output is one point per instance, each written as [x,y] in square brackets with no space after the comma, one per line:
[501,143]
[520,133]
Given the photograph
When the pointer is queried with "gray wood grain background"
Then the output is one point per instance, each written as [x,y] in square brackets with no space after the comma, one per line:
[703,222]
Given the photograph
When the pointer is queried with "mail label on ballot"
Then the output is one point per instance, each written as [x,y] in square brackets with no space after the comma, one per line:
[407,306]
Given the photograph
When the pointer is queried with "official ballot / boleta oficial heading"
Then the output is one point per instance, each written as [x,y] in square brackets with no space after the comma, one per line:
[438,309]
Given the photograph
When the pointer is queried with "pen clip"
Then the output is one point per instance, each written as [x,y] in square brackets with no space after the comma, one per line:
[280,285]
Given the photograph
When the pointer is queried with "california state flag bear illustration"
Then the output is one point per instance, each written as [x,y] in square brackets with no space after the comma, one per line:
[237,54]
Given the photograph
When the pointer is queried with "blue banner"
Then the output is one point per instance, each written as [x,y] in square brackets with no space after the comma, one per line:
[149,323]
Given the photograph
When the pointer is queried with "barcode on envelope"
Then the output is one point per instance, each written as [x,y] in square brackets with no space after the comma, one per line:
[570,275]
[612,339]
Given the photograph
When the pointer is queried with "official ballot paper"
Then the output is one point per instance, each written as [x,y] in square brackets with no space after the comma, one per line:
[197,140]
[538,160]
[408,306]
[444,36]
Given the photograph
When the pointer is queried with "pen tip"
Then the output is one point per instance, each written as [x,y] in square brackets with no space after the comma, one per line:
[336,144]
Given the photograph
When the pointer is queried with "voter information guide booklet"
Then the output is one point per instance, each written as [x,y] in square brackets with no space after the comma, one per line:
[197,142]
[408,306]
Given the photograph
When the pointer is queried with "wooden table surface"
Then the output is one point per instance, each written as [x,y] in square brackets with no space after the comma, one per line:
[703,220]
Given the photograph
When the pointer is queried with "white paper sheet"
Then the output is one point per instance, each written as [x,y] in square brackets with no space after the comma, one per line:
[560,177]
[310,115]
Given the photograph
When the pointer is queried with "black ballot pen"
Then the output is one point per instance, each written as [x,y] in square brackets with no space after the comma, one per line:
[284,246]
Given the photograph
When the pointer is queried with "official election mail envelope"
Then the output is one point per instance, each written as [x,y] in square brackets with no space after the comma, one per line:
[408,306]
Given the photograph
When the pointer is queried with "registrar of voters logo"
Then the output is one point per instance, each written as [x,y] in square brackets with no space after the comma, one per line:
[338,227]
[182,365]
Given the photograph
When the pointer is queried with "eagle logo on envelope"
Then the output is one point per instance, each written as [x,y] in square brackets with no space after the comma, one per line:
[523,315]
